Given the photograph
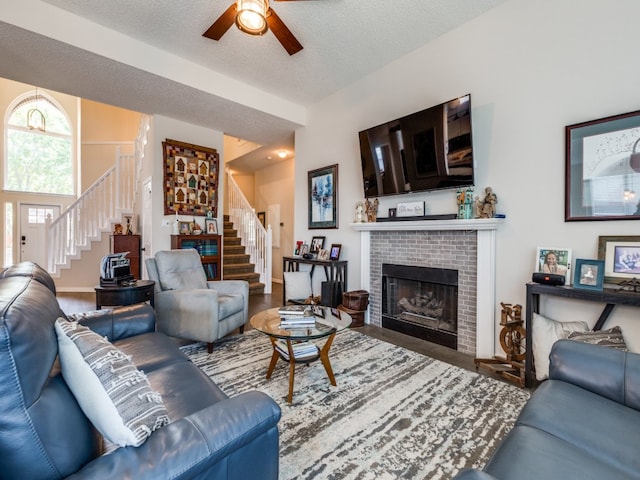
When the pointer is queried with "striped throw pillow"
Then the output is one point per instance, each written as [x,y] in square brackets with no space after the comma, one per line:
[611,337]
[111,391]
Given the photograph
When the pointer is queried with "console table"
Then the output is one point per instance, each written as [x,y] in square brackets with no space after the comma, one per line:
[334,270]
[610,298]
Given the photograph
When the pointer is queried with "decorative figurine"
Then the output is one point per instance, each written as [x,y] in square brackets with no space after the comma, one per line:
[486,208]
[371,208]
[464,198]
[360,212]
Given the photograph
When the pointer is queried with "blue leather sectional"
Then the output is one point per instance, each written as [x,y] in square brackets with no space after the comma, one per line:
[583,423]
[45,435]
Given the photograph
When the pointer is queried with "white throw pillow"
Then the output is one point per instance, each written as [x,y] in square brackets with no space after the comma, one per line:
[545,332]
[297,285]
[111,391]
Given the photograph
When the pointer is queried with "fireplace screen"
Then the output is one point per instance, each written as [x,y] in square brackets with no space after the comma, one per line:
[421,301]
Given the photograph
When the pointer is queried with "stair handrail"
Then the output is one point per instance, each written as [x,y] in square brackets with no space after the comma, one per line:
[91,214]
[256,239]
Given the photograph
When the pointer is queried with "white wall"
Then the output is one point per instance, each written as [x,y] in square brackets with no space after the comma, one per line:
[531,69]
[167,128]
[273,187]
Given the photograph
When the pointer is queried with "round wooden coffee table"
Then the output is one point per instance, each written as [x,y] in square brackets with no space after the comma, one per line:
[286,341]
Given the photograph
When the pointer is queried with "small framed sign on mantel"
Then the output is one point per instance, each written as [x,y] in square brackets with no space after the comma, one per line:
[410,209]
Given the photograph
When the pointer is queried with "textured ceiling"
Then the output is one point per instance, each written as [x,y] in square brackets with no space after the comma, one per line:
[343,41]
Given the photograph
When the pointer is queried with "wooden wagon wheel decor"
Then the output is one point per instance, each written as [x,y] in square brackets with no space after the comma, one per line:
[513,342]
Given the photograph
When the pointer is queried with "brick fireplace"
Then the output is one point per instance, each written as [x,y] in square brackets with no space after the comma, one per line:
[467,246]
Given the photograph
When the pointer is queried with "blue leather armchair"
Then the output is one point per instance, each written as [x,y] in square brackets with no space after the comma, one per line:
[45,435]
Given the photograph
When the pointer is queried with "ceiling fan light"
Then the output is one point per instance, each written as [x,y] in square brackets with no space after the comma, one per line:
[252,16]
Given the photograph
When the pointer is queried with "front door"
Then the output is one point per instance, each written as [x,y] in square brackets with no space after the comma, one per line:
[33,231]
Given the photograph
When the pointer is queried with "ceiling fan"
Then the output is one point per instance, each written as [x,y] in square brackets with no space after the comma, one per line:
[254,17]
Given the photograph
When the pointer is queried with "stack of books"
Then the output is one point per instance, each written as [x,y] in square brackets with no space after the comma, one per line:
[295,310]
[292,316]
[301,350]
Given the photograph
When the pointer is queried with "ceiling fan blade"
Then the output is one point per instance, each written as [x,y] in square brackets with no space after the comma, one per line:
[282,33]
[222,24]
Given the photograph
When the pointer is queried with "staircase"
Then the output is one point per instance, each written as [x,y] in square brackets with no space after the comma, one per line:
[235,262]
[106,202]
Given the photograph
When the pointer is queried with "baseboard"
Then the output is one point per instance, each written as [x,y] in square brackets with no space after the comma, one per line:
[75,289]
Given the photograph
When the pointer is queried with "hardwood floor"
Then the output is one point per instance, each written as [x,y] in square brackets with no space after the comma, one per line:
[80,302]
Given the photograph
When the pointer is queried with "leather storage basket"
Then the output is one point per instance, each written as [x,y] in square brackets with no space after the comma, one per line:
[356,300]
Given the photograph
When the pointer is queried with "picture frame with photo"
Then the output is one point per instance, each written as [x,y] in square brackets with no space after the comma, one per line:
[296,250]
[210,226]
[304,249]
[621,255]
[335,251]
[323,255]
[554,260]
[588,274]
[317,244]
[184,228]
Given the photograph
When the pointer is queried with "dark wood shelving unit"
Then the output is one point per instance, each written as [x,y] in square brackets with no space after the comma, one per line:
[208,246]
[131,244]
[609,297]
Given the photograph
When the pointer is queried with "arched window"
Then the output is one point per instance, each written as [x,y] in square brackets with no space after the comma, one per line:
[38,161]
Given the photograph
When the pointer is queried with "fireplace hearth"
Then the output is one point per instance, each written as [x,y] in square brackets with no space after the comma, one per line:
[421,302]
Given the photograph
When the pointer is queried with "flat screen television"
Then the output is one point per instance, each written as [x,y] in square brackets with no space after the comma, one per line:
[427,150]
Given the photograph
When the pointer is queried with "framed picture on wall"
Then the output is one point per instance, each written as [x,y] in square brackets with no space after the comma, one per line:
[323,197]
[602,169]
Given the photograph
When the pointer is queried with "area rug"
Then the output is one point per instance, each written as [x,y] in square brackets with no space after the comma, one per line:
[394,413]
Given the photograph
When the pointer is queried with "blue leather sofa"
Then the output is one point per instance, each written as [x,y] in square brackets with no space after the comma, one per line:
[583,423]
[45,435]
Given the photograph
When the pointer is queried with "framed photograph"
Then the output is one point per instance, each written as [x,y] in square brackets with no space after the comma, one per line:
[554,260]
[588,274]
[184,228]
[323,255]
[323,197]
[621,256]
[210,226]
[602,169]
[190,179]
[335,251]
[262,216]
[296,250]
[317,244]
[304,249]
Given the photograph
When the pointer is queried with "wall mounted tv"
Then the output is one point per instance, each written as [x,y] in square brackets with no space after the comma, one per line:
[427,150]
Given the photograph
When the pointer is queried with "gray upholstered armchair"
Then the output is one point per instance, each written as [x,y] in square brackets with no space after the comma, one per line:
[188,306]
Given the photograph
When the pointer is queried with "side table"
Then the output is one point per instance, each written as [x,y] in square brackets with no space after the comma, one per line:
[142,291]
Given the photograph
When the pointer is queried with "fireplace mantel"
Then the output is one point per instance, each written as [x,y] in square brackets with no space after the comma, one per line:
[486,265]
[479,224]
